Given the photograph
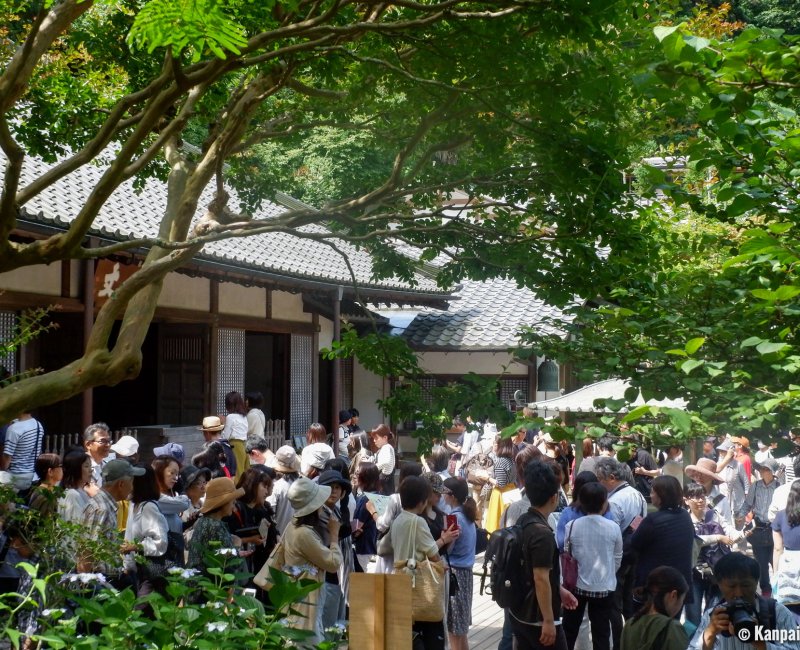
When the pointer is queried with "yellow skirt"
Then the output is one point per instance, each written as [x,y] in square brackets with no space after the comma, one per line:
[496,507]
[242,459]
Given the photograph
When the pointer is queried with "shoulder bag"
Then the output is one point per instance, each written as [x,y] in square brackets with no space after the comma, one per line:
[427,584]
[569,565]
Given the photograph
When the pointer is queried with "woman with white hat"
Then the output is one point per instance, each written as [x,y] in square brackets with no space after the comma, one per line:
[304,552]
[221,495]
[287,465]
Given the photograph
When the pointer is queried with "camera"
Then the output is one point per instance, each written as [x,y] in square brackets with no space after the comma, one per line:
[742,615]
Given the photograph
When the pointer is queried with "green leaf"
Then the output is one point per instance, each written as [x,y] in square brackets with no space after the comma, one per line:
[753,340]
[693,345]
[690,364]
[768,347]
[637,413]
[662,31]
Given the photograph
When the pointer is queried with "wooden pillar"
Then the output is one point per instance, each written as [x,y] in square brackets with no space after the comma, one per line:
[315,369]
[87,408]
[213,356]
[336,389]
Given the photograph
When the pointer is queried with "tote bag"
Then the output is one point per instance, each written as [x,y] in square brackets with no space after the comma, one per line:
[427,585]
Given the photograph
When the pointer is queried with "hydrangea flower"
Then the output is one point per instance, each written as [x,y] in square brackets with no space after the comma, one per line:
[184,573]
[219,626]
[84,578]
[228,551]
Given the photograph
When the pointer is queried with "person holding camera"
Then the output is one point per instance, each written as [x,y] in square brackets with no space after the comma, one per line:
[736,622]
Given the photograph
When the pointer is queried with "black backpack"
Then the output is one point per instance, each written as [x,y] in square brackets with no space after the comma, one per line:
[510,583]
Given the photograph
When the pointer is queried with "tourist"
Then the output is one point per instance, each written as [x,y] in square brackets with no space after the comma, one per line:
[365,529]
[461,557]
[655,626]
[596,544]
[49,469]
[76,482]
[97,442]
[235,429]
[171,504]
[316,452]
[385,459]
[786,556]
[502,480]
[287,465]
[256,420]
[22,446]
[211,534]
[757,503]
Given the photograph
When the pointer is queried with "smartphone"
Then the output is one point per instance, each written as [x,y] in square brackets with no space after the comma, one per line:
[452,520]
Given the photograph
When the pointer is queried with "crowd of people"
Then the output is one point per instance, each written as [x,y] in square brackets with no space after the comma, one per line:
[659,555]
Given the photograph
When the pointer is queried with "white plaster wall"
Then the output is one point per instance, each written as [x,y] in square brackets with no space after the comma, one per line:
[367,390]
[289,306]
[44,279]
[461,363]
[325,333]
[242,301]
[183,292]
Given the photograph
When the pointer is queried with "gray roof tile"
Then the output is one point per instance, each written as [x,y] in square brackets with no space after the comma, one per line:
[487,316]
[129,214]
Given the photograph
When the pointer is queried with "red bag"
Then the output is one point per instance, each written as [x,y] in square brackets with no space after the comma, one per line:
[569,566]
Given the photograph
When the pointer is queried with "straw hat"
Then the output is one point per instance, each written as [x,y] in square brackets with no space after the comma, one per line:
[211,423]
[286,460]
[705,467]
[307,497]
[220,491]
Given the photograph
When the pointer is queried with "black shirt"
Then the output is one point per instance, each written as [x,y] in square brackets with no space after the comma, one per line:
[541,552]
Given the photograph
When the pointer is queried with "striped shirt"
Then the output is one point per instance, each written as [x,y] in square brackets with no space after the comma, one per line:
[23,444]
[503,471]
[784,620]
[758,499]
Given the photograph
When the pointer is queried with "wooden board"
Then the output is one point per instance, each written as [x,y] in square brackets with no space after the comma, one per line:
[380,611]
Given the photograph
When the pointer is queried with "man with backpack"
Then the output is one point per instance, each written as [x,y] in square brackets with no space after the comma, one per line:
[532,592]
[742,619]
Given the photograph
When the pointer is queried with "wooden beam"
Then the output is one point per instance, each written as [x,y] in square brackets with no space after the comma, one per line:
[268,296]
[19,300]
[251,323]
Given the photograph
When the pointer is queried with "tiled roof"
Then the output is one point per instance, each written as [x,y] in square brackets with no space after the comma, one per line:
[487,316]
[582,400]
[129,214]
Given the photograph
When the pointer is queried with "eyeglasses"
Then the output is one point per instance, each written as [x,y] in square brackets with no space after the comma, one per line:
[700,498]
[103,441]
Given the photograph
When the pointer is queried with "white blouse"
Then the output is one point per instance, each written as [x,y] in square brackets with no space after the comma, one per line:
[235,427]
[148,527]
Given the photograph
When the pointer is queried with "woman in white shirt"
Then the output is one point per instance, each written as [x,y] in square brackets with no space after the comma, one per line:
[596,543]
[148,528]
[235,429]
[385,457]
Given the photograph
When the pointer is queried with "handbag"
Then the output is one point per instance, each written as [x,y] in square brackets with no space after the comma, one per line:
[276,560]
[569,565]
[427,585]
[478,469]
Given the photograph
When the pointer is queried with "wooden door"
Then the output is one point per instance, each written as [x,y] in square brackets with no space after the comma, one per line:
[183,355]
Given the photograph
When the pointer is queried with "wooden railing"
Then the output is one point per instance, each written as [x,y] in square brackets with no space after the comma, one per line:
[59,443]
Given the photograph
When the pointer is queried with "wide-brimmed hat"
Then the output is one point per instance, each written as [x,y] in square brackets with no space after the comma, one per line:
[190,474]
[741,440]
[458,487]
[211,423]
[220,491]
[306,497]
[118,468]
[125,446]
[435,481]
[705,467]
[769,464]
[286,460]
[172,449]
